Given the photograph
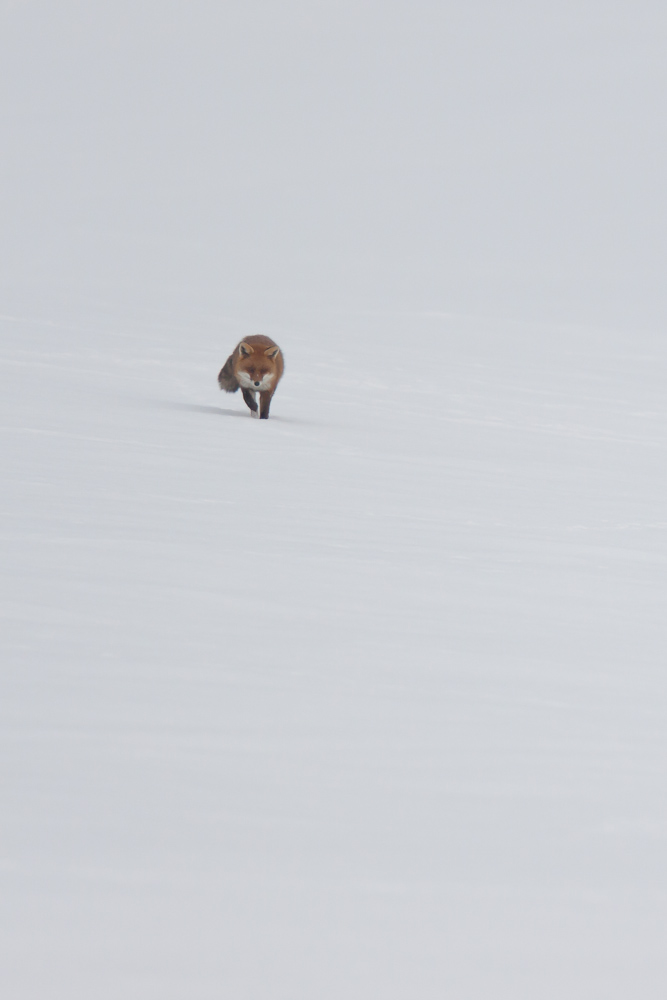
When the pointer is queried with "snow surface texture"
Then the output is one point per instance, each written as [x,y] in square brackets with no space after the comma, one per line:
[367,700]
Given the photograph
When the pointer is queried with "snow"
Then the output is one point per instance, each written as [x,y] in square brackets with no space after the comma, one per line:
[368,699]
[365,699]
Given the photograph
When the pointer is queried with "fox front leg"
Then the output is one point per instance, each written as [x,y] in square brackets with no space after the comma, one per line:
[249,398]
[264,404]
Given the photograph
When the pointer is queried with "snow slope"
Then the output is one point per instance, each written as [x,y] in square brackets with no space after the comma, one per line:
[366,700]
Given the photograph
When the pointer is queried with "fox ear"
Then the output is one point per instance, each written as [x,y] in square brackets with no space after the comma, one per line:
[272,352]
[245,350]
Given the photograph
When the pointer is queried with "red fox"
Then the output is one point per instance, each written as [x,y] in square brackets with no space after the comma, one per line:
[256,366]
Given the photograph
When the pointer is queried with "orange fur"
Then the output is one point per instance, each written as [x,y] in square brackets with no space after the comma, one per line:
[256,367]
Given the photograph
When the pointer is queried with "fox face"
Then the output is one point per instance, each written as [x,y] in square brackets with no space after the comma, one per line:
[255,376]
[256,370]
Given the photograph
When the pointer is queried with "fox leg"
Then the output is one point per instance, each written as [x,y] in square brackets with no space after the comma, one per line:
[249,398]
[264,404]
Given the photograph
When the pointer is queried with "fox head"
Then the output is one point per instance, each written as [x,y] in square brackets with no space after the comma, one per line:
[256,370]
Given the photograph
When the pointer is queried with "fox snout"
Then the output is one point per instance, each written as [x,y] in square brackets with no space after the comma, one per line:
[255,381]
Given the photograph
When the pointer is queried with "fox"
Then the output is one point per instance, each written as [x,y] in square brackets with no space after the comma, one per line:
[255,366]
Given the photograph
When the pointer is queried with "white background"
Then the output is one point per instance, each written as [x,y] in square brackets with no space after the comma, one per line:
[367,700]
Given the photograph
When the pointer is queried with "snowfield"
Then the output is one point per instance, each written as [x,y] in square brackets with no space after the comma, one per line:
[365,700]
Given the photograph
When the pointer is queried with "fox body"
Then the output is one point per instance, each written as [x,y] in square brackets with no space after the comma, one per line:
[255,366]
